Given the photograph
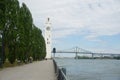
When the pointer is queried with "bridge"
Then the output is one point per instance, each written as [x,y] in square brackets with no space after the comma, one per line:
[77,50]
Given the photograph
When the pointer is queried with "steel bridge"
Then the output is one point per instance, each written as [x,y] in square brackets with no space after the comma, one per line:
[77,50]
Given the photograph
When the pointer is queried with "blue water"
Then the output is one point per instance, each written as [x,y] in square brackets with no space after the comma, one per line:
[91,69]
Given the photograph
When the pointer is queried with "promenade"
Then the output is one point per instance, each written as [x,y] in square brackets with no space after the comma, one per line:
[40,70]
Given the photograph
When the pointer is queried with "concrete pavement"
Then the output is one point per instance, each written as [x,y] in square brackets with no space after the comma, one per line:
[40,70]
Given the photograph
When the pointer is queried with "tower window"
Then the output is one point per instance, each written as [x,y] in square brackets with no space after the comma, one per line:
[48,42]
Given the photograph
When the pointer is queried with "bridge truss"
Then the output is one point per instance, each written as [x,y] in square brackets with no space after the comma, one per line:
[77,50]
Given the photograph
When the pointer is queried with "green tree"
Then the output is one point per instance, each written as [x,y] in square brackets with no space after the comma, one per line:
[2,24]
[2,14]
[11,27]
[25,28]
[21,37]
[38,48]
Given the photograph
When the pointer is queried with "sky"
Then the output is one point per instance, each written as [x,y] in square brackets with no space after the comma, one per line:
[93,25]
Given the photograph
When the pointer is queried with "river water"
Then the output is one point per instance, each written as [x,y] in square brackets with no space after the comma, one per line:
[91,69]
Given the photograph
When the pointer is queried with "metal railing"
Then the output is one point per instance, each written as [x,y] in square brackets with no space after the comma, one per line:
[60,72]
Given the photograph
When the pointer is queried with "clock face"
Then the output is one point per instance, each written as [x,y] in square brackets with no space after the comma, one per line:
[48,28]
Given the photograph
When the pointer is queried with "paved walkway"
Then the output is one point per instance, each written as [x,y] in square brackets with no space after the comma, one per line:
[41,70]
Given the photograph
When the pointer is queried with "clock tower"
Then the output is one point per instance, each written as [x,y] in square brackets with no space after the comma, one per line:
[48,39]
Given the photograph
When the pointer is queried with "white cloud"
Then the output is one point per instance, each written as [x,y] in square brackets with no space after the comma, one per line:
[106,25]
[90,18]
[104,50]
[99,17]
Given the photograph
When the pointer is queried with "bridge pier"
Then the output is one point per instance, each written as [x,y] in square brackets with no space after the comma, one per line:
[76,52]
[76,56]
[92,56]
[101,56]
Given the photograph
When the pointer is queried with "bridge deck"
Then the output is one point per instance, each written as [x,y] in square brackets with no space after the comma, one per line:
[86,53]
[41,70]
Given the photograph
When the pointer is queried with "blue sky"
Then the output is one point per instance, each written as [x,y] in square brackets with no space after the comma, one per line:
[90,24]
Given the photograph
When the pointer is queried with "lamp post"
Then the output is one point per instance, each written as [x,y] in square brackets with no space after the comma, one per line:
[2,48]
[54,51]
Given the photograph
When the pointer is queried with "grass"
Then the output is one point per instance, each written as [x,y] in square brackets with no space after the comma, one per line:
[8,64]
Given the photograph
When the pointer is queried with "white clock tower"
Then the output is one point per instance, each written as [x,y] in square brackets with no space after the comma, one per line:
[48,39]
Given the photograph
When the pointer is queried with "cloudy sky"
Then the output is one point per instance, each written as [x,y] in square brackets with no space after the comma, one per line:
[90,24]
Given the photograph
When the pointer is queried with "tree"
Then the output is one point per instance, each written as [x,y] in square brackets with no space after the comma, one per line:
[25,27]
[2,14]
[2,24]
[22,38]
[11,27]
[38,50]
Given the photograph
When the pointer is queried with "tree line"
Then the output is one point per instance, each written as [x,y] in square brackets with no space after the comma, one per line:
[19,38]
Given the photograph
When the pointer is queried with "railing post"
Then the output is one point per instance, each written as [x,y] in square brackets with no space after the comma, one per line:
[64,70]
[60,72]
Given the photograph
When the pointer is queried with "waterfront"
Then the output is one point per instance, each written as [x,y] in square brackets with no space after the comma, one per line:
[91,69]
[39,70]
